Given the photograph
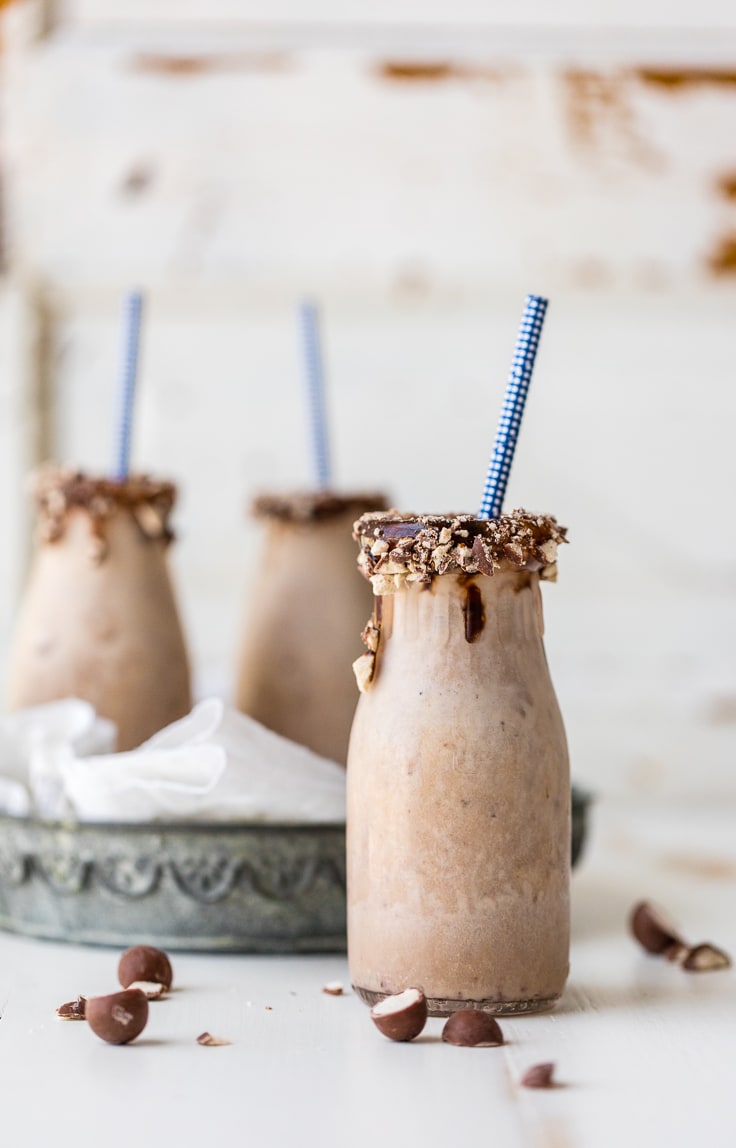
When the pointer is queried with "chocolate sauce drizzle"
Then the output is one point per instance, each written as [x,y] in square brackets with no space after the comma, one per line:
[475,617]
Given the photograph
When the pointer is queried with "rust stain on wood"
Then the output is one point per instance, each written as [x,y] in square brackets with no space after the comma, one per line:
[726,185]
[647,774]
[590,98]
[683,79]
[722,260]
[591,273]
[601,116]
[4,4]
[200,64]
[137,180]
[709,868]
[555,1133]
[412,278]
[434,71]
[722,709]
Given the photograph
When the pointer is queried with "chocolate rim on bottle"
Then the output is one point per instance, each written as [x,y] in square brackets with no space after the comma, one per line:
[314,505]
[58,491]
[397,548]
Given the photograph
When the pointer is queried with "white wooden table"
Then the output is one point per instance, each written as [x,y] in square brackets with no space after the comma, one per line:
[645,1052]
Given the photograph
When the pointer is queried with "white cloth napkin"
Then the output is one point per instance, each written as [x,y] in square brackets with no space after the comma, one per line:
[213,765]
[30,741]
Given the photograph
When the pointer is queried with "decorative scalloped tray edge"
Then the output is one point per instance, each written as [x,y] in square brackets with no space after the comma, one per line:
[249,888]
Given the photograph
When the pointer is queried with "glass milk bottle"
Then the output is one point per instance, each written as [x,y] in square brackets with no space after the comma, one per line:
[99,620]
[306,612]
[458,783]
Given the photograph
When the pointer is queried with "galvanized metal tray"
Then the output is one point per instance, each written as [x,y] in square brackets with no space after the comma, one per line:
[239,888]
[250,888]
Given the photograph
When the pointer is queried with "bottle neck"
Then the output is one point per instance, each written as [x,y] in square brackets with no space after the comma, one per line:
[458,609]
[99,538]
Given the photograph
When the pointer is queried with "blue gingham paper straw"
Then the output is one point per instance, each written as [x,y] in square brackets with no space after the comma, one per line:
[132,310]
[315,380]
[513,407]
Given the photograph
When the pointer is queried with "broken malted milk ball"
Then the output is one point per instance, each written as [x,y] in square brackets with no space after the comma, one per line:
[72,1010]
[145,963]
[539,1076]
[654,933]
[652,929]
[119,1017]
[472,1028]
[364,668]
[401,1016]
[706,958]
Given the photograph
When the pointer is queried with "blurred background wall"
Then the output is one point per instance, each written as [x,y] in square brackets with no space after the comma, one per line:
[417,167]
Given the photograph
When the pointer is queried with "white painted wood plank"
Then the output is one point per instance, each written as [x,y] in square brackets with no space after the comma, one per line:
[216,45]
[324,170]
[524,13]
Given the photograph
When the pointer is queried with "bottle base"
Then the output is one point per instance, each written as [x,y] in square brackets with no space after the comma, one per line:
[439,1006]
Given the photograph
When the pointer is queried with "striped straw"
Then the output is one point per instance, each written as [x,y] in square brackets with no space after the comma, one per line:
[315,380]
[517,388]
[132,309]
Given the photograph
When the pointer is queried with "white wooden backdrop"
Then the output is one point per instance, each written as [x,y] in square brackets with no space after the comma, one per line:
[418,168]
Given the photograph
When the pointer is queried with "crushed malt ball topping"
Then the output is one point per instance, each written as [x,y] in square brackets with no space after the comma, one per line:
[364,669]
[314,506]
[397,548]
[57,491]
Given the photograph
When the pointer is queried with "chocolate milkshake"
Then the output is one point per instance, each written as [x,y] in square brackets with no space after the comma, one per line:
[99,620]
[458,789]
[306,612]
